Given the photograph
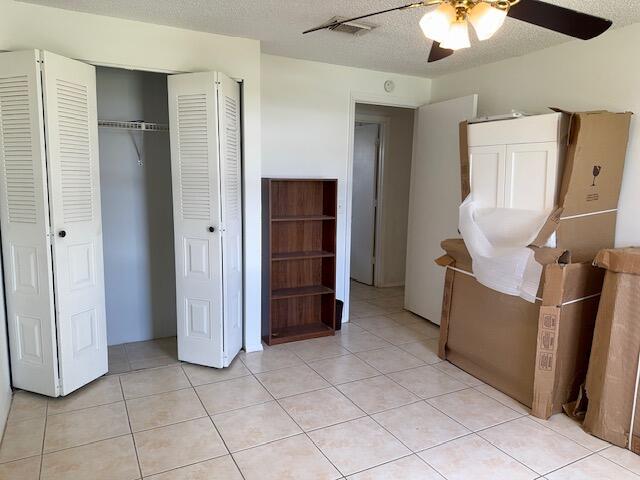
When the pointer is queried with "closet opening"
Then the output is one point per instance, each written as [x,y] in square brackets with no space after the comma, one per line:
[137,218]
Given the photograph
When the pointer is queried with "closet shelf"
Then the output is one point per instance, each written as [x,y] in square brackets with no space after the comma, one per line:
[134,125]
[297,218]
[278,257]
[282,293]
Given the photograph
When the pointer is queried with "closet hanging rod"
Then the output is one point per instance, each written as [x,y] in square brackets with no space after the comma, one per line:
[134,125]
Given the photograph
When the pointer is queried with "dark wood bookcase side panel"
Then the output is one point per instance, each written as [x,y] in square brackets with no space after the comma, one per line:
[299,246]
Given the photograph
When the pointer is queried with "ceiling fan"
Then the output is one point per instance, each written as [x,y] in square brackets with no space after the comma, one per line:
[447,25]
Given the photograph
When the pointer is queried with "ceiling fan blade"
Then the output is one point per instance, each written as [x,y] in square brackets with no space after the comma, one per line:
[559,19]
[336,23]
[438,53]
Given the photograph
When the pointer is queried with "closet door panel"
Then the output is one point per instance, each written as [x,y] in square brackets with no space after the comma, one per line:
[230,144]
[74,180]
[24,219]
[196,213]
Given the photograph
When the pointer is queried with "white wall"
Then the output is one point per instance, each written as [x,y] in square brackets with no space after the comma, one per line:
[307,119]
[112,41]
[396,181]
[603,73]
[137,220]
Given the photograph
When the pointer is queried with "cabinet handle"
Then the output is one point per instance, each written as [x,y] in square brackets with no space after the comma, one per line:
[62,233]
[212,229]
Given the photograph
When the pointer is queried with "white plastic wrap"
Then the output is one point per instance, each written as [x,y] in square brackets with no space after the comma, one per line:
[497,240]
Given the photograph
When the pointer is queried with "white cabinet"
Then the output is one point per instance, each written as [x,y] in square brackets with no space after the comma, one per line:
[517,163]
[487,166]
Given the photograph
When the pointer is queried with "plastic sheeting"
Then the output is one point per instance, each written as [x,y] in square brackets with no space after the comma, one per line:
[497,240]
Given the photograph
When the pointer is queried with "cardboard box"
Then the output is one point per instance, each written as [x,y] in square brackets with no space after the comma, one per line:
[537,353]
[585,218]
[612,379]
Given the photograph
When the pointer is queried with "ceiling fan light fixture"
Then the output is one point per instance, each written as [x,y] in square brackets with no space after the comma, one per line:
[458,36]
[486,20]
[436,24]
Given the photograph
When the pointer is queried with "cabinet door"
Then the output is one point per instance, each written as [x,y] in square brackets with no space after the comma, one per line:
[71,122]
[531,176]
[230,149]
[24,216]
[487,175]
[195,171]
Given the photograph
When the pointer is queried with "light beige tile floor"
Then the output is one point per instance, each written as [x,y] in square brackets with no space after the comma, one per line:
[372,403]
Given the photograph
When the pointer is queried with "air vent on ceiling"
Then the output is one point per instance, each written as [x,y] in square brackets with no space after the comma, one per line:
[352,28]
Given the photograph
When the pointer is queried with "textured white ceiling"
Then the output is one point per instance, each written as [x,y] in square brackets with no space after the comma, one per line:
[397,45]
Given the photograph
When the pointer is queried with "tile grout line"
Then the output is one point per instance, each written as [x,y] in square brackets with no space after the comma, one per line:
[214,424]
[44,433]
[133,438]
[303,432]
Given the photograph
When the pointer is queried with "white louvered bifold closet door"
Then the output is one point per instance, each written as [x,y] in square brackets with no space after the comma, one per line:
[196,215]
[24,216]
[74,193]
[231,195]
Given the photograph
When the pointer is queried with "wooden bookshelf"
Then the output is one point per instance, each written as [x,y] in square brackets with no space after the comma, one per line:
[299,259]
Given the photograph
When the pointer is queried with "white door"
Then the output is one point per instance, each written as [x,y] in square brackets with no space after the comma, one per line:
[434,200]
[196,214]
[531,172]
[71,127]
[487,175]
[24,216]
[363,212]
[230,148]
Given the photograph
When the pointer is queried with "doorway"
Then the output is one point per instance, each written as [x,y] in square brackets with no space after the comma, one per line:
[382,154]
[137,220]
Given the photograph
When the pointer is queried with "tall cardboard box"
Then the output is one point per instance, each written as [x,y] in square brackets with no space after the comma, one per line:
[537,353]
[612,378]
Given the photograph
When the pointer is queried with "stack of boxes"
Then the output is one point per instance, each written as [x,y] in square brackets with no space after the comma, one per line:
[538,353]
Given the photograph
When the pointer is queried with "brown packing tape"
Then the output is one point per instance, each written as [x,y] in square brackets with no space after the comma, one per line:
[546,354]
[465,185]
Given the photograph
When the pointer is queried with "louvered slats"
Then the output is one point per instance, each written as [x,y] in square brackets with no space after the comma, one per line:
[75,152]
[193,144]
[232,158]
[16,149]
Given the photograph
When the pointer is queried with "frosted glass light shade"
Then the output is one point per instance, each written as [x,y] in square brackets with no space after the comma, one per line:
[435,24]
[458,36]
[486,20]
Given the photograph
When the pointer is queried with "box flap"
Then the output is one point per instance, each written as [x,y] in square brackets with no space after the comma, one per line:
[594,163]
[620,260]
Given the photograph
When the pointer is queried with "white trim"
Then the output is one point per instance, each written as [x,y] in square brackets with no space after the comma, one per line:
[588,214]
[383,123]
[372,99]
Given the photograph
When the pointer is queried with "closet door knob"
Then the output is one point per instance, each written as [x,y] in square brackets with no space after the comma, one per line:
[212,229]
[62,234]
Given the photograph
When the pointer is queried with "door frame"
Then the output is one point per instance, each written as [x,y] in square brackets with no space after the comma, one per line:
[368,99]
[122,66]
[383,123]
